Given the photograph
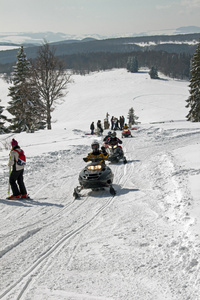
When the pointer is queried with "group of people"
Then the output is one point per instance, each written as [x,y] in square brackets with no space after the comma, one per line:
[115,124]
[99,128]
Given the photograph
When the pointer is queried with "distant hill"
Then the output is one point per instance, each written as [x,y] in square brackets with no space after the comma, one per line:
[182,43]
[36,38]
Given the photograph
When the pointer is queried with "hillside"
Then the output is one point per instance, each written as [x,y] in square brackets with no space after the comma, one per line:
[170,43]
[142,244]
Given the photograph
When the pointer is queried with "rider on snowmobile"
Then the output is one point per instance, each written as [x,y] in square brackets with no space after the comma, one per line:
[125,126]
[113,139]
[107,136]
[96,153]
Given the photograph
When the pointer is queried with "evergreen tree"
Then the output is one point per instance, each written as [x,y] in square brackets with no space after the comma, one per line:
[132,64]
[153,73]
[132,118]
[24,105]
[193,102]
[2,121]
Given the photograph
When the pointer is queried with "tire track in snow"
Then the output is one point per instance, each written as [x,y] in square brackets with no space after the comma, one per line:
[32,272]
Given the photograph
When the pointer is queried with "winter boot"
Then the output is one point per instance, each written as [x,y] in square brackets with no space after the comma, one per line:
[14,197]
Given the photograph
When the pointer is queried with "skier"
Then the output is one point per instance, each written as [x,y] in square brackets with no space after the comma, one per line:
[18,189]
[96,153]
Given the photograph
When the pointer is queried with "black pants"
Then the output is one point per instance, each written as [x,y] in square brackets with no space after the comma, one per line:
[20,188]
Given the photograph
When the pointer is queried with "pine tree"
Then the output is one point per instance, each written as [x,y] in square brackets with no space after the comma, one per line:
[193,102]
[2,121]
[153,73]
[132,64]
[25,103]
[132,118]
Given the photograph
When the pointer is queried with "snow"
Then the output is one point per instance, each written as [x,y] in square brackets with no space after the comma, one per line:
[142,244]
[146,44]
[4,48]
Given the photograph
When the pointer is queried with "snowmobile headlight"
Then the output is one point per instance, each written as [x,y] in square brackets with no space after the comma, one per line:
[115,146]
[95,167]
[110,147]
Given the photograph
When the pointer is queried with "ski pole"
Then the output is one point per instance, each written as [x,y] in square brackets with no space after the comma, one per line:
[9,177]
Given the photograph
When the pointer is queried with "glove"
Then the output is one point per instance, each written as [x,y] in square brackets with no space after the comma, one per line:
[103,148]
[85,159]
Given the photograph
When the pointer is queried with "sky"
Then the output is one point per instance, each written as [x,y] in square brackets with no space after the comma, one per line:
[103,17]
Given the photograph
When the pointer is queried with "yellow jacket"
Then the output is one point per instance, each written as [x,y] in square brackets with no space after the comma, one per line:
[102,155]
[126,127]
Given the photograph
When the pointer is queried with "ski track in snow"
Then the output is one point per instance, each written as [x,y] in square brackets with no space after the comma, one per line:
[140,244]
[151,191]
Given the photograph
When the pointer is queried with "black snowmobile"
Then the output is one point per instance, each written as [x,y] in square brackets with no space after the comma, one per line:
[96,175]
[115,153]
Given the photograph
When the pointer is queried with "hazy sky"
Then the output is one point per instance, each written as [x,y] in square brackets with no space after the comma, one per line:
[97,16]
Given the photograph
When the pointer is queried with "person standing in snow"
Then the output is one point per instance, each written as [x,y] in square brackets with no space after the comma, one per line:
[92,128]
[112,123]
[99,128]
[16,175]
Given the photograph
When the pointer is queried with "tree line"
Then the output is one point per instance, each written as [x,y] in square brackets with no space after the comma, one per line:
[175,65]
[170,64]
[36,85]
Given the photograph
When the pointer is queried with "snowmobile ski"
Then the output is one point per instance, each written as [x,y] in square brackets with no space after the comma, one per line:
[112,191]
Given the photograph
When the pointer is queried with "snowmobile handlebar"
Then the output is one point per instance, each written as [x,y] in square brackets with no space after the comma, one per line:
[97,159]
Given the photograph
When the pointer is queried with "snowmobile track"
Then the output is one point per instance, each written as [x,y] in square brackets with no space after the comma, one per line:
[32,272]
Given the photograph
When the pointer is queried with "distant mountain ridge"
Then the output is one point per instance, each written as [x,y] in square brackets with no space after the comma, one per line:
[180,43]
[36,38]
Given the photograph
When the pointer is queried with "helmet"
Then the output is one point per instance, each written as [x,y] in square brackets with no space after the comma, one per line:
[113,134]
[95,145]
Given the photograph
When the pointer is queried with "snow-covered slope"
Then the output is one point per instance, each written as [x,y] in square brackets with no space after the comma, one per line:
[144,243]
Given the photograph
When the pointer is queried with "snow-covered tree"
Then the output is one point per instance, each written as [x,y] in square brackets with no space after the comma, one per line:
[2,121]
[25,103]
[153,73]
[132,118]
[193,102]
[132,64]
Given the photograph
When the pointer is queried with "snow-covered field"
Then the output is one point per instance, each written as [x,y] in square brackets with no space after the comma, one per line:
[142,244]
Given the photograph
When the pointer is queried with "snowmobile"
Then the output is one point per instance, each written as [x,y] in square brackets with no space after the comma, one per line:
[126,133]
[115,153]
[96,175]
